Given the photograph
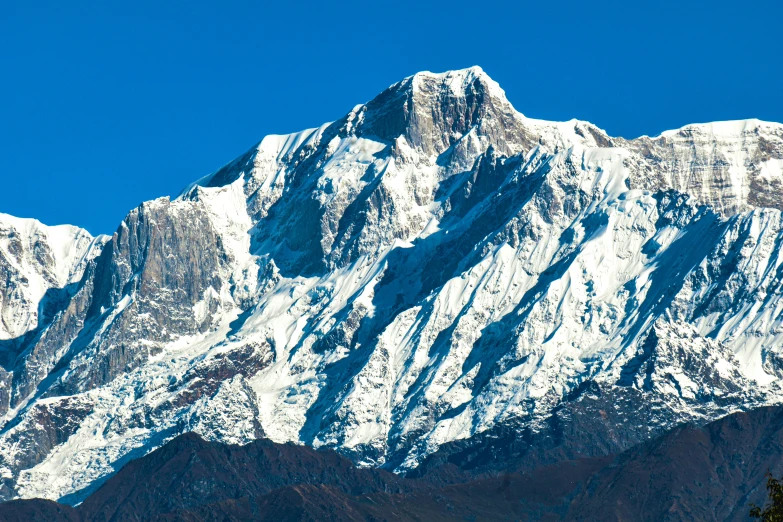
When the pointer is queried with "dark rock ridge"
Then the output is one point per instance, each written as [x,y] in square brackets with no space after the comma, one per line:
[691,473]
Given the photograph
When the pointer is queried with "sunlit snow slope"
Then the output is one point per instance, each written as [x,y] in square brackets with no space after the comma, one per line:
[431,267]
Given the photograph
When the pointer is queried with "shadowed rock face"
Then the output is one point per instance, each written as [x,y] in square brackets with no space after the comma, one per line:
[691,473]
[138,294]
[194,472]
[38,509]
[433,267]
[707,473]
[164,260]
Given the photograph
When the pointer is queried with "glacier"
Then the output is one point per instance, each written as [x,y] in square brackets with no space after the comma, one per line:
[432,267]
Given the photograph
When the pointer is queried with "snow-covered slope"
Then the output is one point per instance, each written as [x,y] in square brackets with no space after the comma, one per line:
[429,268]
[33,259]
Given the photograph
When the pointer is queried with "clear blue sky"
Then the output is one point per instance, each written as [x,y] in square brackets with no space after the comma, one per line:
[108,105]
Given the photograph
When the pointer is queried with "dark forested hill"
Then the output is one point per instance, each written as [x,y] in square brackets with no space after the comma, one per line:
[690,473]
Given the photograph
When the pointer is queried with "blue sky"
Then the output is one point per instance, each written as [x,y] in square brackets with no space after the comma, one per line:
[105,106]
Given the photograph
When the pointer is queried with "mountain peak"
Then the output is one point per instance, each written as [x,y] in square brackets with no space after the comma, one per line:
[434,110]
[460,80]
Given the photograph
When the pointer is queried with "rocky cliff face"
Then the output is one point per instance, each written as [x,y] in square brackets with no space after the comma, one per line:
[433,267]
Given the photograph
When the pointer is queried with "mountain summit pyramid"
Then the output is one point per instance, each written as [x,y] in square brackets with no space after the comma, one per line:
[431,270]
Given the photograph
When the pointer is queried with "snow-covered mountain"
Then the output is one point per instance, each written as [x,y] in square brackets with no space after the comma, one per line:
[34,259]
[433,267]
